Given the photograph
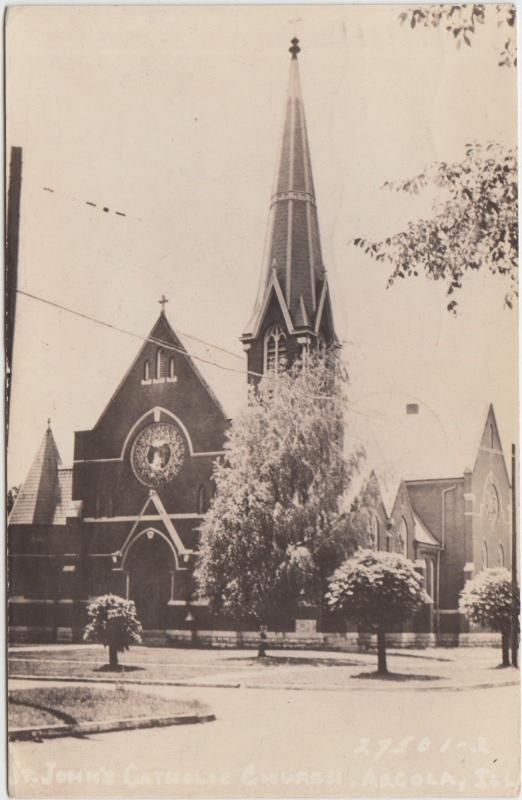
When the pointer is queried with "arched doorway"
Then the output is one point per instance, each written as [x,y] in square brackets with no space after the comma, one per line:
[150,565]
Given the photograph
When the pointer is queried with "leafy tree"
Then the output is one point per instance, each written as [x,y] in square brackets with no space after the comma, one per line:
[359,520]
[487,600]
[379,590]
[274,532]
[475,226]
[113,623]
[12,494]
[461,22]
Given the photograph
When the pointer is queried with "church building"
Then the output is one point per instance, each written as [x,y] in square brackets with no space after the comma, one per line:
[124,518]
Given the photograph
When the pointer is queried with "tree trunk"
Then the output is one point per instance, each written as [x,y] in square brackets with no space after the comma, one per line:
[505,648]
[113,656]
[261,652]
[382,667]
[514,640]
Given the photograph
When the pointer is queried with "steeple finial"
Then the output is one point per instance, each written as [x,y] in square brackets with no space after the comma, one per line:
[49,423]
[162,303]
[295,49]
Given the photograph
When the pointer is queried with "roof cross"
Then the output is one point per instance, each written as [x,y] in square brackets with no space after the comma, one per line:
[162,303]
[295,49]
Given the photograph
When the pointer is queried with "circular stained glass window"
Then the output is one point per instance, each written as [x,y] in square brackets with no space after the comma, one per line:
[157,454]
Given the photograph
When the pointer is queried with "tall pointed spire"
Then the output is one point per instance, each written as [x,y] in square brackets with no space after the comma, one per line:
[37,498]
[294,246]
[293,267]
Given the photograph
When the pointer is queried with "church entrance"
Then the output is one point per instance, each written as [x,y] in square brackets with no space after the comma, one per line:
[150,566]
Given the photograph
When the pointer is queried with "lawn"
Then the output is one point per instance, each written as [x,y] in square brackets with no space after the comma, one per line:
[141,663]
[464,666]
[69,705]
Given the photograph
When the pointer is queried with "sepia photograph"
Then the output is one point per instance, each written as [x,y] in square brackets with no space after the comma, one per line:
[262,468]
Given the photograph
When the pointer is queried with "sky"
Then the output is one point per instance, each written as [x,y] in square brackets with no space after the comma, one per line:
[173,116]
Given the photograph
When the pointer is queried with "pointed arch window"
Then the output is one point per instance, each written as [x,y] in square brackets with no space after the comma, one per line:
[160,359]
[171,370]
[374,532]
[402,537]
[484,554]
[275,349]
[146,370]
[491,502]
[202,499]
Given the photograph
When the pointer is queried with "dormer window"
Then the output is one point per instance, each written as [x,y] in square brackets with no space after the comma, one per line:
[275,349]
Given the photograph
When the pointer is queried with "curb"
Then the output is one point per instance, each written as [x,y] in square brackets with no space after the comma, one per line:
[82,728]
[134,681]
[275,686]
[367,688]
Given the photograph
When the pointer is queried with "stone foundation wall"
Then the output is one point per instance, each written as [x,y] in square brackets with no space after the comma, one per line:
[275,641]
[330,641]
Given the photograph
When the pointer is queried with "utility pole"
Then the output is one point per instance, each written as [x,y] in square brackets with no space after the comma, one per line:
[12,234]
[514,587]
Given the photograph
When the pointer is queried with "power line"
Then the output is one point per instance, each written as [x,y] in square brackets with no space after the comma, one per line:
[152,339]
[175,348]
[90,203]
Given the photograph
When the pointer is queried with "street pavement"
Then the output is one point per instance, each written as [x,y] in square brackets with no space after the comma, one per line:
[298,743]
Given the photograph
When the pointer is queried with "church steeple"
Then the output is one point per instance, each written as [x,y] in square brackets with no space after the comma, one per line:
[293,272]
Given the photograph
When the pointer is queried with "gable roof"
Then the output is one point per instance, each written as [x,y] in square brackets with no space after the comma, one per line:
[358,485]
[324,309]
[155,501]
[422,534]
[273,289]
[419,446]
[163,334]
[491,439]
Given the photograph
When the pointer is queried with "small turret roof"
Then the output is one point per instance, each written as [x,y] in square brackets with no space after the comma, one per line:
[38,497]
